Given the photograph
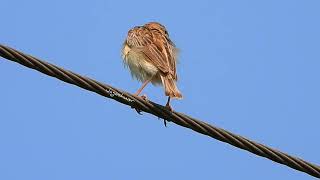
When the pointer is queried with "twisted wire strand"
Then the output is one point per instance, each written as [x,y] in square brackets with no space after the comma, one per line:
[159,111]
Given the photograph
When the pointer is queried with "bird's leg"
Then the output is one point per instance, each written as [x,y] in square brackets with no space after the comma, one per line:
[139,91]
[142,87]
[168,104]
[170,109]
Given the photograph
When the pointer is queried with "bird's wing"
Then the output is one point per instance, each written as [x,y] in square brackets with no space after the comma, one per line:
[161,42]
[173,57]
[152,47]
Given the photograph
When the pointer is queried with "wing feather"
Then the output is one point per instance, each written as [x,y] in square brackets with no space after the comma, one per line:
[155,47]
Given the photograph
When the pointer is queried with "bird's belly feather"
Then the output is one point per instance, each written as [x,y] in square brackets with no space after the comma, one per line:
[139,67]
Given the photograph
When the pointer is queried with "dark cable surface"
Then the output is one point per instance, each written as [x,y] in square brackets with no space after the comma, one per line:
[159,111]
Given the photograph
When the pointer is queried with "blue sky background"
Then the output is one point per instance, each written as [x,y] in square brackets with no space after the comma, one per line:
[251,67]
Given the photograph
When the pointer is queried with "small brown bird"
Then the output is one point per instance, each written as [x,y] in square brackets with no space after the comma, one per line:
[152,57]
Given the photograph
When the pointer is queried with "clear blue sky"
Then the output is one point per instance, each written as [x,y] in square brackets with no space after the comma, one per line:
[251,67]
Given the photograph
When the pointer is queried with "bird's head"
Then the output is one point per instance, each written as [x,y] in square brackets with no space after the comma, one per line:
[158,27]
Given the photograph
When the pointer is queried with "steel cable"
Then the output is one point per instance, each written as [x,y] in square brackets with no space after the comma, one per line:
[159,111]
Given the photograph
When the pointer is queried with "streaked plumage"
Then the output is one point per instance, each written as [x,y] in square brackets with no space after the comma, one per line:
[152,57]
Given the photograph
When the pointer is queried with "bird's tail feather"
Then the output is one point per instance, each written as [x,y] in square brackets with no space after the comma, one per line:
[170,87]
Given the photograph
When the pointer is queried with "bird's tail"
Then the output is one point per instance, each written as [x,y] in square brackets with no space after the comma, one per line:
[170,87]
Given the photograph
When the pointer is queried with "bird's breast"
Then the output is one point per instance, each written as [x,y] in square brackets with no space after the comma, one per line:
[140,68]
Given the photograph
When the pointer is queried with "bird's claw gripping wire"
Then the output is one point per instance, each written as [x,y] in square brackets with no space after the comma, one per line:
[144,97]
[169,108]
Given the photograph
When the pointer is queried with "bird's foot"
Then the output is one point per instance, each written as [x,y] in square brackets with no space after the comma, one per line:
[138,110]
[144,97]
[170,109]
